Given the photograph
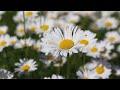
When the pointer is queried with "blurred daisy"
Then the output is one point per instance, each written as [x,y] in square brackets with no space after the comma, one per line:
[113,37]
[110,23]
[106,49]
[4,41]
[62,42]
[37,46]
[4,74]
[102,71]
[54,77]
[47,59]
[26,65]
[86,74]
[31,27]
[94,50]
[13,40]
[72,18]
[86,39]
[31,14]
[107,13]
[2,12]
[52,14]
[87,13]
[3,30]
[60,61]
[20,30]
[44,25]
[24,43]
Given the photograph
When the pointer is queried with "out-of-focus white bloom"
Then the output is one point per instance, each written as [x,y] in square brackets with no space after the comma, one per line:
[107,13]
[106,49]
[113,37]
[86,74]
[102,71]
[37,46]
[44,25]
[107,23]
[55,77]
[13,40]
[23,43]
[4,41]
[94,50]
[3,30]
[60,62]
[86,39]
[20,30]
[4,74]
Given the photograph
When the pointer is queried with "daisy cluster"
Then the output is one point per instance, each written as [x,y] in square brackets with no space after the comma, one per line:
[51,44]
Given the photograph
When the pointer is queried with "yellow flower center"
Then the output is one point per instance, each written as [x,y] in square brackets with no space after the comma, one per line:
[12,42]
[29,13]
[1,32]
[85,42]
[3,43]
[73,21]
[25,68]
[94,49]
[85,78]
[50,58]
[59,62]
[108,24]
[111,39]
[66,44]
[44,27]
[33,28]
[35,47]
[100,69]
[21,30]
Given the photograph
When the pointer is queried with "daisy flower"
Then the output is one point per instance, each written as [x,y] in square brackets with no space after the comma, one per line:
[106,14]
[86,39]
[31,27]
[62,42]
[37,46]
[72,18]
[4,41]
[31,14]
[110,23]
[4,74]
[13,40]
[47,59]
[113,37]
[60,61]
[54,77]
[3,30]
[86,74]
[102,71]
[26,65]
[94,50]
[20,30]
[44,25]
[52,14]
[106,49]
[24,43]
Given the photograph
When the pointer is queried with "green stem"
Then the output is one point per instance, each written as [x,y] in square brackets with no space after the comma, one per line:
[68,68]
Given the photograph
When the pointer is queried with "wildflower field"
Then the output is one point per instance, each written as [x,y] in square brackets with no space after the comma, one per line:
[59,45]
